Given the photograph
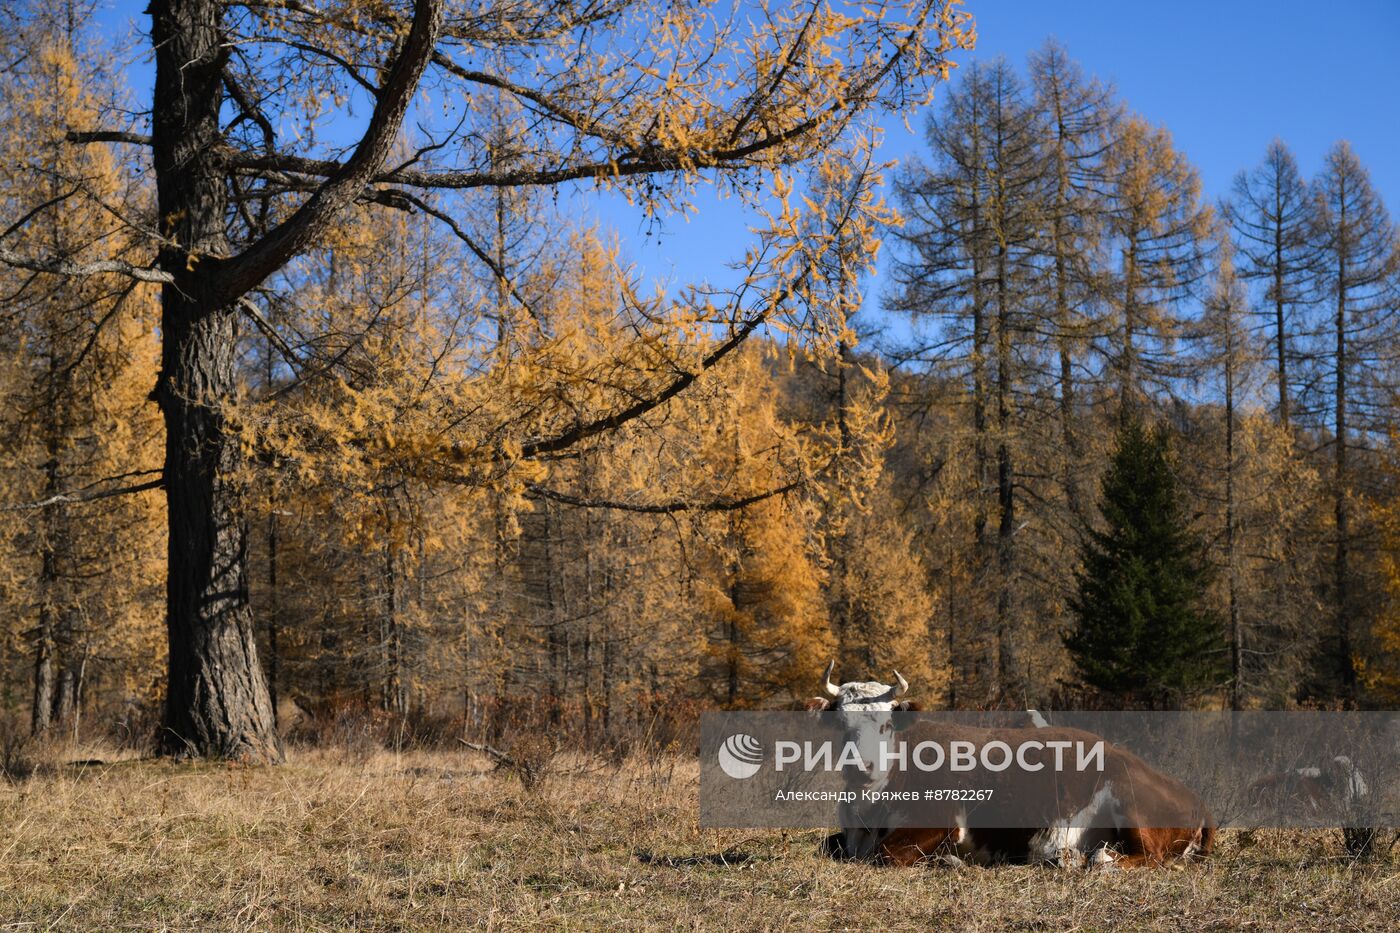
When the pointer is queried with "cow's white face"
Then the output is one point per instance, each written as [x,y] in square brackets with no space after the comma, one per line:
[863,706]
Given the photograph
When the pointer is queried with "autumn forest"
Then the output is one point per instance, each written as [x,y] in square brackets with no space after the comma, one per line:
[324,412]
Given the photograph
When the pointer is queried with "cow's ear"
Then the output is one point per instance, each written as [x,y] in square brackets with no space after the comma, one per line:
[908,706]
[818,705]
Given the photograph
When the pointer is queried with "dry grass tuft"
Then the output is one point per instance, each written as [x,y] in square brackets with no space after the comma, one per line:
[445,840]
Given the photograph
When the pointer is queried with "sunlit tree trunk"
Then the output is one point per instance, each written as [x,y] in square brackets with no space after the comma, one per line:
[217,701]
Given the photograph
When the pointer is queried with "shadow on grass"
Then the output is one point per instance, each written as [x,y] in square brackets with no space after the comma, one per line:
[730,858]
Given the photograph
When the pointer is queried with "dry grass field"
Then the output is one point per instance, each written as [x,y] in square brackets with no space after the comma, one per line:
[441,840]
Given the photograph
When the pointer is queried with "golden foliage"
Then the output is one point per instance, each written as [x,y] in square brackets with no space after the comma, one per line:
[82,582]
[1379,668]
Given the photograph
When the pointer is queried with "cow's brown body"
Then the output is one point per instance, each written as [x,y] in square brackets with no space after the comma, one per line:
[1126,795]
[1126,814]
[1330,790]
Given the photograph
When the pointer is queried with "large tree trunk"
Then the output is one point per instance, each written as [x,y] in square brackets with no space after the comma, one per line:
[217,700]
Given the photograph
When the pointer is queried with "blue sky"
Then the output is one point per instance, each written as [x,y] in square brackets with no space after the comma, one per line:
[1225,76]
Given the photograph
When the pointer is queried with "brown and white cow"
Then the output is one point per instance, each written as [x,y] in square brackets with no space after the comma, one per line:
[1096,820]
[1334,790]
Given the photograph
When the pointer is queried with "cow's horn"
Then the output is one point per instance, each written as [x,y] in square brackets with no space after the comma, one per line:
[901,685]
[831,688]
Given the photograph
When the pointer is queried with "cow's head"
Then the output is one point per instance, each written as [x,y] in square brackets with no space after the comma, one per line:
[863,707]
[861,696]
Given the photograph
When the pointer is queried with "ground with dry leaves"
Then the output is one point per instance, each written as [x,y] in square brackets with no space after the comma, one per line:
[435,840]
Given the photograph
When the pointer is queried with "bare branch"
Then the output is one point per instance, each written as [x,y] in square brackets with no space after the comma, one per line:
[108,136]
[245,271]
[578,121]
[39,209]
[250,109]
[271,334]
[387,196]
[631,161]
[112,312]
[70,268]
[70,498]
[617,419]
[660,508]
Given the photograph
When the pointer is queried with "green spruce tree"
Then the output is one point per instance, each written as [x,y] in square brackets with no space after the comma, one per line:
[1141,634]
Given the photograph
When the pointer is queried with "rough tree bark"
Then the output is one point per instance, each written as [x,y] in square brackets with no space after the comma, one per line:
[217,700]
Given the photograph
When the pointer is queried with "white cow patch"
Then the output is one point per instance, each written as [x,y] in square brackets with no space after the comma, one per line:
[1103,859]
[1356,785]
[1068,841]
